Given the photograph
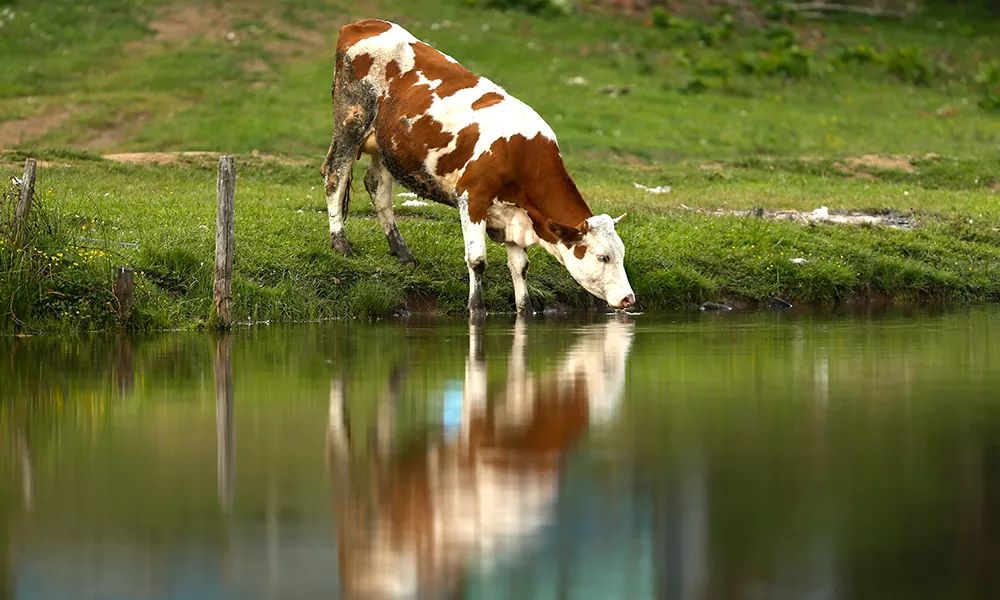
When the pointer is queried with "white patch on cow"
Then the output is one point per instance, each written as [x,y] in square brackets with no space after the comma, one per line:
[392,44]
[433,84]
[506,119]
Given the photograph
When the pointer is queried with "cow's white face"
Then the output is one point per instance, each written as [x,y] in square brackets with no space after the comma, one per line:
[596,261]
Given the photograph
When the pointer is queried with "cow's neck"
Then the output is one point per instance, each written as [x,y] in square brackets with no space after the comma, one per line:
[549,191]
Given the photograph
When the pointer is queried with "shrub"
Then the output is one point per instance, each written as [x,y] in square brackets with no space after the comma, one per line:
[987,81]
[909,65]
[537,7]
[780,36]
[46,276]
[793,63]
[712,35]
[780,11]
[694,85]
[859,54]
[662,19]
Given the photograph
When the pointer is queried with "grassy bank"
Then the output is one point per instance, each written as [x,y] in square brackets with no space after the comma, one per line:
[160,221]
[788,113]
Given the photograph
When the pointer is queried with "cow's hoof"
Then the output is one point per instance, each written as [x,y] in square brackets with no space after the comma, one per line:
[339,243]
[405,258]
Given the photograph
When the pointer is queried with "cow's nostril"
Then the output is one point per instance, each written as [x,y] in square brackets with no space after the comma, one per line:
[628,301]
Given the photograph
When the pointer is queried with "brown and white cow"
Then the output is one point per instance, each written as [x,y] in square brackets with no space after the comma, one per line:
[413,518]
[459,139]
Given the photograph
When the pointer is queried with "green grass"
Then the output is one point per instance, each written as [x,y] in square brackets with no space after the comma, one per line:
[731,117]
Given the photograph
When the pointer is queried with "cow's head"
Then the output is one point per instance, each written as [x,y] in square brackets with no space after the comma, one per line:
[594,255]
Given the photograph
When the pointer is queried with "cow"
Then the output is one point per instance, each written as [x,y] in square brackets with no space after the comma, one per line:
[459,139]
[411,518]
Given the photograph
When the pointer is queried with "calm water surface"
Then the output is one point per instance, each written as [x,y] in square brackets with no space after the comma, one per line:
[703,456]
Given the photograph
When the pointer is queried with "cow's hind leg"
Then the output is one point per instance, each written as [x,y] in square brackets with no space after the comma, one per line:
[474,235]
[337,176]
[354,109]
[378,182]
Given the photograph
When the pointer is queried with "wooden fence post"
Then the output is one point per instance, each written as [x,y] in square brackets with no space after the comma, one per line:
[222,316]
[123,289]
[27,195]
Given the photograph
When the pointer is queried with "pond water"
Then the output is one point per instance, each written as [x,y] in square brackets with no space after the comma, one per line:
[686,456]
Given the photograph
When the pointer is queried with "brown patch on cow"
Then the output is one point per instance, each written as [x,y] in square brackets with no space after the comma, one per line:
[353,33]
[429,134]
[408,99]
[487,99]
[408,146]
[435,66]
[391,70]
[565,234]
[465,145]
[530,174]
[361,64]
[580,251]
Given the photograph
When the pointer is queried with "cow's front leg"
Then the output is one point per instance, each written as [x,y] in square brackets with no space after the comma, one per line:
[475,256]
[517,260]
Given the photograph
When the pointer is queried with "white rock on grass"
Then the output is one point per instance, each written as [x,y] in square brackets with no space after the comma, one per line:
[660,189]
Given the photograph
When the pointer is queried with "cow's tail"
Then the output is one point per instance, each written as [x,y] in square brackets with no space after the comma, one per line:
[346,201]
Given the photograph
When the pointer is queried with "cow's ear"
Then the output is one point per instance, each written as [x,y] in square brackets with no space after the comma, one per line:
[566,234]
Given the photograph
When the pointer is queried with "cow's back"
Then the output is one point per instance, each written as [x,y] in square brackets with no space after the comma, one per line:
[435,118]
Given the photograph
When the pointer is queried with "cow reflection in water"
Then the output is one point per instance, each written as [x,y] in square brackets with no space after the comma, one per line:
[419,518]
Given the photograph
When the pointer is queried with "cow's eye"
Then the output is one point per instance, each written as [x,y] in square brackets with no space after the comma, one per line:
[604,258]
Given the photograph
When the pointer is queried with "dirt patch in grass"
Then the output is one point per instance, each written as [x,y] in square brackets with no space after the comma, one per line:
[18,131]
[170,158]
[156,158]
[856,165]
[116,133]
[294,40]
[178,23]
